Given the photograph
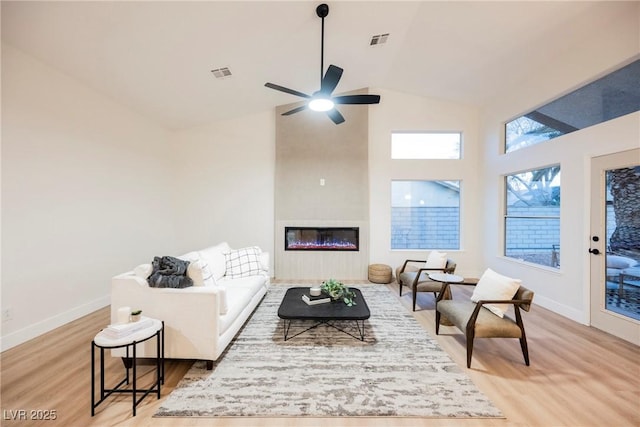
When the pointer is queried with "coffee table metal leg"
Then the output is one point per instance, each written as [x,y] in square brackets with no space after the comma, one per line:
[360,328]
[287,325]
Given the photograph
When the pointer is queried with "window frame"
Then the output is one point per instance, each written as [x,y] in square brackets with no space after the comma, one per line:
[555,257]
[427,133]
[429,245]
[589,99]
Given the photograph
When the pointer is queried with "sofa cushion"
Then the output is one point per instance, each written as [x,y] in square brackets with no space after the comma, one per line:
[253,283]
[243,262]
[214,257]
[494,286]
[238,298]
[223,303]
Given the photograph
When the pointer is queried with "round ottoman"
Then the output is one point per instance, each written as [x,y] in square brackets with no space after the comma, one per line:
[380,273]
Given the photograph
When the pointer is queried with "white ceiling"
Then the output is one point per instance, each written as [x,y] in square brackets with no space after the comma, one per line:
[156,57]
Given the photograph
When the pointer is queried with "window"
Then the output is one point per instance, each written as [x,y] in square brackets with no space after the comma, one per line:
[532,217]
[425,214]
[611,96]
[425,145]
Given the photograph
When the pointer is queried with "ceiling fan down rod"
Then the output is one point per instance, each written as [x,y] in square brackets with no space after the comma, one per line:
[322,11]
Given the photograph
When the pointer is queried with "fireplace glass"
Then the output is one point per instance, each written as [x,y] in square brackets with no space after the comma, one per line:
[321,239]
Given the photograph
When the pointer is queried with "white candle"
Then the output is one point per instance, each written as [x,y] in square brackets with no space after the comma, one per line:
[123,314]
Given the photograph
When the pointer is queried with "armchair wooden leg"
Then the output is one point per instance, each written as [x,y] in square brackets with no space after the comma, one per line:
[469,349]
[525,349]
[437,321]
[415,296]
[400,286]
[523,338]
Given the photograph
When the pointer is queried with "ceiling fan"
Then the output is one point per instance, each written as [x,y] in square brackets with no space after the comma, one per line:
[322,99]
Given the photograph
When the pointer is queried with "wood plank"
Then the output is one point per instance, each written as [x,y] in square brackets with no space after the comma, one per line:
[578,376]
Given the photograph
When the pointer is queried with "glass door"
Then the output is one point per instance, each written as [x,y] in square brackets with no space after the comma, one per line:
[615,244]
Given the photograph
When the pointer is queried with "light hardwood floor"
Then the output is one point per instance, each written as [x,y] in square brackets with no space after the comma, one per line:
[579,376]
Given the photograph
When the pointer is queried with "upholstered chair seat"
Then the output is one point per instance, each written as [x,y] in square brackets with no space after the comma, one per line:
[415,276]
[487,325]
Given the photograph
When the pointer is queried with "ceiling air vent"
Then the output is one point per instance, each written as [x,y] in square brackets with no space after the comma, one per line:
[379,39]
[221,72]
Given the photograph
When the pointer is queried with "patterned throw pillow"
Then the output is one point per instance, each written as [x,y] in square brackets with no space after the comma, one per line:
[243,262]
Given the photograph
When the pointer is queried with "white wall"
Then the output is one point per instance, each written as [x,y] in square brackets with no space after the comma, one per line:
[403,112]
[85,195]
[225,174]
[616,41]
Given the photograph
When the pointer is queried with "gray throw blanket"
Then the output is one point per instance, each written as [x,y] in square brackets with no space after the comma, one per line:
[169,272]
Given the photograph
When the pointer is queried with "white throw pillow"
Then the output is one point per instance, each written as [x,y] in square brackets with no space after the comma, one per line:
[143,271]
[494,286]
[436,260]
[264,261]
[215,259]
[199,272]
[243,262]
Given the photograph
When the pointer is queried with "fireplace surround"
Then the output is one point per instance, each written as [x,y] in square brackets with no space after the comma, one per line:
[321,239]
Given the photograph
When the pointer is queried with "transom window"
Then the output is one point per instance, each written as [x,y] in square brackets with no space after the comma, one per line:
[425,145]
[611,96]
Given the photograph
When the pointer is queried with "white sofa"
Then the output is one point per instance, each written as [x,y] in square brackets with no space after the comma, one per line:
[200,321]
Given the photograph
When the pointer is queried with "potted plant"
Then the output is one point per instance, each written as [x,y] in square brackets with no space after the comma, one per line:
[135,315]
[338,291]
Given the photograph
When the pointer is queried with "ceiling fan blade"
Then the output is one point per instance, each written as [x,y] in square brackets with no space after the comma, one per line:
[357,99]
[287,90]
[335,116]
[295,110]
[331,79]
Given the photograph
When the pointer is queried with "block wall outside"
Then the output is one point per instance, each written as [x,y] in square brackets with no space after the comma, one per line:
[425,228]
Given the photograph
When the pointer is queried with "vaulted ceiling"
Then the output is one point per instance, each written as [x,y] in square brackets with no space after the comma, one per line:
[156,57]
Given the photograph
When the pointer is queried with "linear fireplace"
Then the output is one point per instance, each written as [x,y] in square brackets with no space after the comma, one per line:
[321,239]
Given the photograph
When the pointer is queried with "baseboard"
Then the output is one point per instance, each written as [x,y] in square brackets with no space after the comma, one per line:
[561,309]
[32,331]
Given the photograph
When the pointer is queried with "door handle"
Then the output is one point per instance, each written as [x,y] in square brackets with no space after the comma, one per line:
[594,251]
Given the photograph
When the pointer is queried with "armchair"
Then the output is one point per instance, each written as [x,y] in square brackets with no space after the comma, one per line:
[414,274]
[475,320]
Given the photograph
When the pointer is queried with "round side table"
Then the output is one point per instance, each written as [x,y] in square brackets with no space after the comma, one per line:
[103,341]
[446,277]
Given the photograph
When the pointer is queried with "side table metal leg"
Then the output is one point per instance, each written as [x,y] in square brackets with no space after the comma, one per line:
[158,373]
[93,378]
[162,352]
[101,374]
[134,378]
[126,369]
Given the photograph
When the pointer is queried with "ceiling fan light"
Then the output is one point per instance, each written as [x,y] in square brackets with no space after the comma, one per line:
[321,104]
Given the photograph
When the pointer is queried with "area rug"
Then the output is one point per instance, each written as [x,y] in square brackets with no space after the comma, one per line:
[398,370]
